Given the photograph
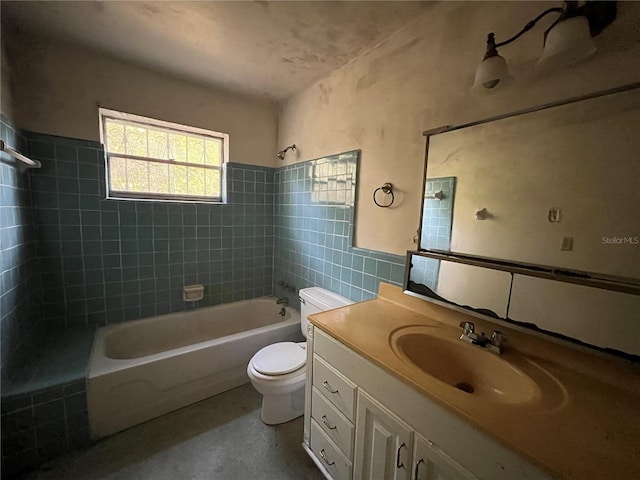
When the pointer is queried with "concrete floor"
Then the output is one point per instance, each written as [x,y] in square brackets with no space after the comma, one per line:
[218,438]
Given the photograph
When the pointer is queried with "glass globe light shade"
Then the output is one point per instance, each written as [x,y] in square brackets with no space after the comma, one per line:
[567,42]
[491,75]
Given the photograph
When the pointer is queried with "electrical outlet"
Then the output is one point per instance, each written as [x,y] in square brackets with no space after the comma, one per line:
[567,243]
[554,215]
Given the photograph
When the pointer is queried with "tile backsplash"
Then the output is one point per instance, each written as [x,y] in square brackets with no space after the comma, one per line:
[73,260]
[437,218]
[106,261]
[437,214]
[43,424]
[314,222]
[20,297]
[101,261]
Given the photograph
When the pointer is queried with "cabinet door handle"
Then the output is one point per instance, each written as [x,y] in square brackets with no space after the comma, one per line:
[326,423]
[399,464]
[326,385]
[415,476]
[324,457]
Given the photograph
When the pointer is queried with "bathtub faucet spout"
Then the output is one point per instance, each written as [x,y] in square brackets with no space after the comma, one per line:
[283,301]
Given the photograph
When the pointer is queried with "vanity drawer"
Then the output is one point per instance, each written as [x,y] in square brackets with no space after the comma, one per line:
[338,466]
[334,386]
[333,423]
[332,351]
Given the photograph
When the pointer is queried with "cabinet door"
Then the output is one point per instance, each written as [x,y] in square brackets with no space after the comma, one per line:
[384,443]
[431,463]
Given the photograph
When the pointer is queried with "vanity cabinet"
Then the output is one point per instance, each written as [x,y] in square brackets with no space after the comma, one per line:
[330,406]
[389,449]
[383,442]
[362,422]
[431,463]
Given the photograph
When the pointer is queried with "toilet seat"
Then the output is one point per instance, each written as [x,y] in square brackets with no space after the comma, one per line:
[279,359]
[293,377]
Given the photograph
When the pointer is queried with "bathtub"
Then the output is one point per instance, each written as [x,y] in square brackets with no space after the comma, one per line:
[142,369]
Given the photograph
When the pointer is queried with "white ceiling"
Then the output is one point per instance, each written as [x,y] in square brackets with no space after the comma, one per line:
[269,49]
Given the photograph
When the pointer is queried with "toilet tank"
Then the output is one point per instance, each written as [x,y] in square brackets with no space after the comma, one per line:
[316,299]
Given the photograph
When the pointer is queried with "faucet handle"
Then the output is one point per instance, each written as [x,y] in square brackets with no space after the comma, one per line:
[498,338]
[468,327]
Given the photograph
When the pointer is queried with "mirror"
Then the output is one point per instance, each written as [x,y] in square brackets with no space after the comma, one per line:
[533,217]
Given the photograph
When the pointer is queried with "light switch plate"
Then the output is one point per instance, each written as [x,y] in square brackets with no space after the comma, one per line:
[567,243]
[554,215]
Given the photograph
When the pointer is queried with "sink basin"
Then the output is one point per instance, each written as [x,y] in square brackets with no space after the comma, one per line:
[505,379]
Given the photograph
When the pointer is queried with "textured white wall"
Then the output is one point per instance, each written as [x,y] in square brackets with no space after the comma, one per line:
[581,158]
[57,87]
[599,317]
[476,287]
[419,79]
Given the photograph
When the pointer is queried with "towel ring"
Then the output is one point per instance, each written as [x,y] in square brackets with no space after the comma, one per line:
[388,189]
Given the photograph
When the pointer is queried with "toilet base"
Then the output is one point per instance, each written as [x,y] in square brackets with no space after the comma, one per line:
[278,409]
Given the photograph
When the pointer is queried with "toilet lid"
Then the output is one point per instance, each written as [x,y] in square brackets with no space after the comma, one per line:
[279,358]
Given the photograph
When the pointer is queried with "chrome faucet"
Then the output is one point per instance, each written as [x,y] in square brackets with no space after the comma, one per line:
[283,301]
[493,344]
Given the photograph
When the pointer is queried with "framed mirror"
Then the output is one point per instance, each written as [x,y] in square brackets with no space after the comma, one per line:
[534,218]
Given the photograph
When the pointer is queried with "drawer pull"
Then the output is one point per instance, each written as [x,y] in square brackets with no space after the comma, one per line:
[324,457]
[326,423]
[326,385]
[399,464]
[415,477]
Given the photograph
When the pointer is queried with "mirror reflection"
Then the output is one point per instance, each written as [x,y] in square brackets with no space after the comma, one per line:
[568,172]
[559,188]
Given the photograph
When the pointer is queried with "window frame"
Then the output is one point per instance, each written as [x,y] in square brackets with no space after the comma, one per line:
[108,114]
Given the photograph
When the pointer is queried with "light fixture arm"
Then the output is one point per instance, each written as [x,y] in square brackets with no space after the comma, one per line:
[599,14]
[530,25]
[492,46]
[568,35]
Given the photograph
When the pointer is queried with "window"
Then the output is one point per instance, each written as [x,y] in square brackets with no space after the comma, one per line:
[154,160]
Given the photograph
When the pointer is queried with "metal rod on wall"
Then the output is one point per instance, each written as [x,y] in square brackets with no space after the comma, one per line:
[439,195]
[18,156]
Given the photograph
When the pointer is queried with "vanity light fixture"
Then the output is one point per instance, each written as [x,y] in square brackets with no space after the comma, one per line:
[566,41]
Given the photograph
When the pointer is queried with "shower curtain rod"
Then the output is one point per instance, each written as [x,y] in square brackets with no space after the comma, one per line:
[18,156]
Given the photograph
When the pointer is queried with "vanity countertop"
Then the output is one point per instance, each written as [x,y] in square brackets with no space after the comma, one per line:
[594,433]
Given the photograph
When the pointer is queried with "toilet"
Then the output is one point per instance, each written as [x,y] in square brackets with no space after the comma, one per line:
[278,371]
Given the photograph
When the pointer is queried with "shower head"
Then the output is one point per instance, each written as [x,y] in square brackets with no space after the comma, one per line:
[282,153]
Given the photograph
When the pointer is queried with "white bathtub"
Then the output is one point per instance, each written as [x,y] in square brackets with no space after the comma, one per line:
[143,369]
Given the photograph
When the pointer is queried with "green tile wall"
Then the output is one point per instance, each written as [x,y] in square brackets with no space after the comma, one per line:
[314,220]
[42,424]
[20,297]
[106,261]
[72,261]
[437,218]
